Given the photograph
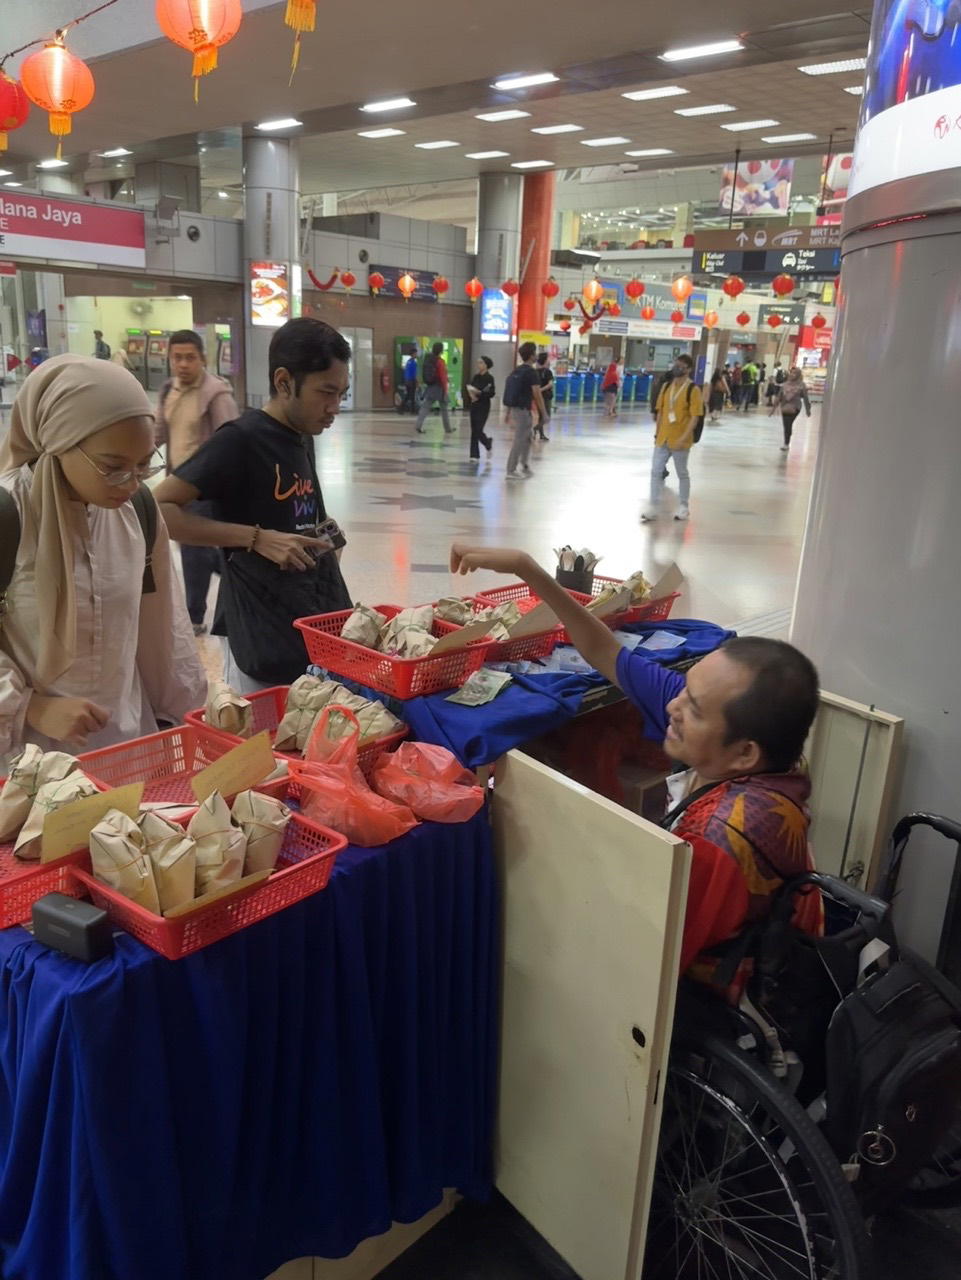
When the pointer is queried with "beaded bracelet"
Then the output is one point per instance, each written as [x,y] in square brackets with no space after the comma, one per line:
[254,537]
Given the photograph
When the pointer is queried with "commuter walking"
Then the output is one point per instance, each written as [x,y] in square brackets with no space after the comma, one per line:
[193,404]
[678,414]
[480,392]
[101,349]
[522,393]
[736,374]
[435,387]
[95,642]
[718,395]
[545,377]
[791,395]
[775,380]
[609,388]
[410,383]
[749,375]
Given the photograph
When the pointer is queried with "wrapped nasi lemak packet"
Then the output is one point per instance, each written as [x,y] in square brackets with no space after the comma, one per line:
[50,797]
[454,609]
[173,857]
[407,634]
[221,845]
[263,821]
[119,860]
[28,772]
[306,698]
[364,626]
[228,711]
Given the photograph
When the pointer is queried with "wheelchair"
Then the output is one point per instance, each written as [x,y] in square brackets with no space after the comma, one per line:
[750,1184]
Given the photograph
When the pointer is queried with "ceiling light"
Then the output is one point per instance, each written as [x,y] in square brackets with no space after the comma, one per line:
[224,195]
[834,68]
[702,50]
[856,89]
[603,142]
[791,137]
[436,146]
[645,95]
[13,184]
[750,124]
[714,110]
[493,117]
[532,164]
[559,128]
[380,133]
[5,173]
[112,155]
[389,104]
[52,164]
[524,81]
[486,155]
[273,126]
[651,151]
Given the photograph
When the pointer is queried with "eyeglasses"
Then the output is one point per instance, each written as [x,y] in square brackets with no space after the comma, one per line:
[117,479]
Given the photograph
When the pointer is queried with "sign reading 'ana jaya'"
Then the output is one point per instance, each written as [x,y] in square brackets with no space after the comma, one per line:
[37,227]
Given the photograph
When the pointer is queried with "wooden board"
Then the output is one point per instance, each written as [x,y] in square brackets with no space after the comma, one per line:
[593,901]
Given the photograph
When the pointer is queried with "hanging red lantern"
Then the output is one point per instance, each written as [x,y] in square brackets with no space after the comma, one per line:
[348,280]
[743,319]
[818,321]
[59,83]
[634,289]
[201,27]
[733,286]
[775,321]
[406,284]
[375,282]
[473,288]
[511,288]
[550,288]
[783,285]
[711,320]
[593,291]
[566,326]
[613,309]
[569,304]
[648,312]
[682,288]
[440,285]
[677,316]
[14,108]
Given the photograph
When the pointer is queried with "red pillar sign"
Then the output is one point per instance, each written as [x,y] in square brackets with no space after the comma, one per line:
[537,225]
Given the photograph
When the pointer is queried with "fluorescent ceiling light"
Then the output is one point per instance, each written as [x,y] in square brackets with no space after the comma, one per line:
[834,68]
[486,155]
[494,117]
[651,151]
[702,50]
[603,142]
[113,155]
[559,128]
[750,124]
[715,110]
[532,164]
[52,164]
[273,126]
[380,133]
[5,173]
[645,95]
[791,137]
[524,81]
[13,184]
[856,89]
[224,195]
[436,146]
[389,104]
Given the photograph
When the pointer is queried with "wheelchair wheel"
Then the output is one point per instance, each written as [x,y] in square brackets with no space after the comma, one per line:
[746,1187]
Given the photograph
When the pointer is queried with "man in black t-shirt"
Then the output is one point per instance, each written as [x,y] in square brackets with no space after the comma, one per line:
[522,391]
[259,474]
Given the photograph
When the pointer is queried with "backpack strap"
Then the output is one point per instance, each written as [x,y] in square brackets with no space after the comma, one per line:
[9,544]
[145,505]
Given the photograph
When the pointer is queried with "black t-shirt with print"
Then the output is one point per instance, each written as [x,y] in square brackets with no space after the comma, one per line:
[526,379]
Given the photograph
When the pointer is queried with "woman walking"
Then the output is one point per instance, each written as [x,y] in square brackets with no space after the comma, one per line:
[480,391]
[545,376]
[791,394]
[609,388]
[95,642]
[720,391]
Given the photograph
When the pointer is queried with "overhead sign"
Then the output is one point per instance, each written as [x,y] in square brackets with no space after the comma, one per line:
[496,316]
[37,227]
[8,268]
[815,339]
[758,262]
[790,312]
[269,294]
[647,329]
[424,292]
[827,237]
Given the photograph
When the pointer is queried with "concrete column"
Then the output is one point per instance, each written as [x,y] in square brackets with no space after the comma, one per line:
[498,252]
[271,234]
[537,225]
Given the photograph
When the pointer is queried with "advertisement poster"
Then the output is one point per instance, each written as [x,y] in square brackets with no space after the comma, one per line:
[835,176]
[697,306]
[497,313]
[762,187]
[269,294]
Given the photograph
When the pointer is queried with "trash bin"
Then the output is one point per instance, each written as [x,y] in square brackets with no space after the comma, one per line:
[562,386]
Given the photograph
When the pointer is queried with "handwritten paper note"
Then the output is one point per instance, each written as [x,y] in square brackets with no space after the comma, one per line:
[68,829]
[239,769]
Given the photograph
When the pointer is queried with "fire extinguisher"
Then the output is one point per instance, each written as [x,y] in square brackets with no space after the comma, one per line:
[384,381]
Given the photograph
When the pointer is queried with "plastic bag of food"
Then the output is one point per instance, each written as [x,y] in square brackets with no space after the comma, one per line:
[173,857]
[221,845]
[364,627]
[228,711]
[263,821]
[430,781]
[28,772]
[306,698]
[118,859]
[50,797]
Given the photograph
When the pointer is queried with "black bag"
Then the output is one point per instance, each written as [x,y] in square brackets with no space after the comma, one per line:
[514,388]
[430,370]
[699,424]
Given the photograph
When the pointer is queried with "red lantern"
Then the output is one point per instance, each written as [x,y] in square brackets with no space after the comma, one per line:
[711,319]
[201,27]
[677,316]
[586,327]
[14,108]
[569,304]
[634,290]
[614,309]
[682,288]
[406,284]
[550,288]
[440,285]
[783,285]
[775,321]
[473,288]
[566,326]
[593,291]
[743,319]
[648,312]
[818,321]
[733,286]
[59,83]
[511,288]
[348,280]
[375,282]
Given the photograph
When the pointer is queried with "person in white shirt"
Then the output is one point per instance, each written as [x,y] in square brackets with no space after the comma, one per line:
[95,642]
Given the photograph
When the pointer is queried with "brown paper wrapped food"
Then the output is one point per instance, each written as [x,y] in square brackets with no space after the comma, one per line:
[173,857]
[119,860]
[221,845]
[364,626]
[28,772]
[306,698]
[373,717]
[228,711]
[50,797]
[404,636]
[454,609]
[263,821]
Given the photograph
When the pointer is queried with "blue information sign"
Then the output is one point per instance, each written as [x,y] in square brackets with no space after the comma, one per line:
[497,311]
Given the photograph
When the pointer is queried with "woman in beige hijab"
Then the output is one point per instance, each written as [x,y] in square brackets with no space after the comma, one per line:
[88,657]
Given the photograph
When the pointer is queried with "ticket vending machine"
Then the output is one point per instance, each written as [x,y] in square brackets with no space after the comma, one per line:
[158,340]
[136,352]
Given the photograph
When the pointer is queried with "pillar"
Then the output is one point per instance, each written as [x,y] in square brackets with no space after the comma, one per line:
[877,605]
[271,234]
[537,225]
[498,247]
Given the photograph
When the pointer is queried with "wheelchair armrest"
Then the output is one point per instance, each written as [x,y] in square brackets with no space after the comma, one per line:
[874,910]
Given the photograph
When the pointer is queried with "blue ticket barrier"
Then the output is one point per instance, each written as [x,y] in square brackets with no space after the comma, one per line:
[627,389]
[562,386]
[577,388]
[590,387]
[642,386]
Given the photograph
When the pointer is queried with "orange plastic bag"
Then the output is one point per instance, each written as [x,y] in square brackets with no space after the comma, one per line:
[430,781]
[335,792]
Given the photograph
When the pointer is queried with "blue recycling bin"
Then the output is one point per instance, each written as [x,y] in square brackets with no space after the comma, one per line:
[642,386]
[562,387]
[627,390]
[577,388]
[590,387]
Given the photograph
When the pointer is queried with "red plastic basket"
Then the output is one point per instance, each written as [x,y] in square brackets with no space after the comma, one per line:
[165,761]
[518,591]
[525,649]
[401,678]
[304,867]
[267,710]
[649,611]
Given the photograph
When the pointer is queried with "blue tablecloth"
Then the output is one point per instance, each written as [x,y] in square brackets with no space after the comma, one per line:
[285,1092]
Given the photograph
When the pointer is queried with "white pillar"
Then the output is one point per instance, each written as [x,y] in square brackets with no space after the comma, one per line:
[498,248]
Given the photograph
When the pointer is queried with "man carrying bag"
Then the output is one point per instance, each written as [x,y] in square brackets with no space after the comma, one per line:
[281,561]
